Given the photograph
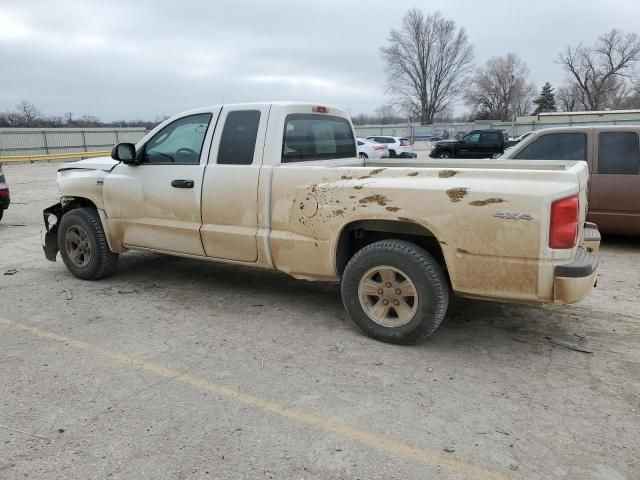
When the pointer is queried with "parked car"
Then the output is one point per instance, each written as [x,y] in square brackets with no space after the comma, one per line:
[475,144]
[613,156]
[512,142]
[369,149]
[398,146]
[5,198]
[280,186]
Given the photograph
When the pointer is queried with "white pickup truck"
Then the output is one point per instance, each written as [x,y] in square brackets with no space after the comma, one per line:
[280,186]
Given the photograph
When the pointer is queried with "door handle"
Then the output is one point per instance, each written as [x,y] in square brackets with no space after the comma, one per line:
[182,183]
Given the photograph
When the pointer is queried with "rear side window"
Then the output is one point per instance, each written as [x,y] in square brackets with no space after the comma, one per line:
[317,137]
[556,146]
[238,140]
[618,152]
[491,138]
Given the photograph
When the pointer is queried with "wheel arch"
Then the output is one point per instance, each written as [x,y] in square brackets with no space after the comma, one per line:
[357,234]
[71,202]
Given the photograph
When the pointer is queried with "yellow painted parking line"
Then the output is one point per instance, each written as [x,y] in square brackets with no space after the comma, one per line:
[53,156]
[381,442]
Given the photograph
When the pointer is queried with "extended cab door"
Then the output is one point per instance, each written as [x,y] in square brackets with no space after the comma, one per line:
[490,144]
[614,202]
[230,188]
[156,204]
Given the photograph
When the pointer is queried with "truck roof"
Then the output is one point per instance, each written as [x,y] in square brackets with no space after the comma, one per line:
[280,103]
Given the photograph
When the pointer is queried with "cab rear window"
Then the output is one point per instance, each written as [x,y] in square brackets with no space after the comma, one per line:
[317,137]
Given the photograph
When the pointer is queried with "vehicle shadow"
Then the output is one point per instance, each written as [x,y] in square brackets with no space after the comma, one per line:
[468,323]
[620,242]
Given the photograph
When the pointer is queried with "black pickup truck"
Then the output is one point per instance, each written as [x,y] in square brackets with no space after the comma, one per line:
[475,144]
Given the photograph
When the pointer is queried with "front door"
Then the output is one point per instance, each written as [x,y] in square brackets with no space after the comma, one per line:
[468,146]
[156,204]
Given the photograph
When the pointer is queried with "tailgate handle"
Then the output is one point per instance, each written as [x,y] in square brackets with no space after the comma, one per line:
[182,183]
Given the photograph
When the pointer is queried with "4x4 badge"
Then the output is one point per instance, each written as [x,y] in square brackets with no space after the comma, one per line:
[513,216]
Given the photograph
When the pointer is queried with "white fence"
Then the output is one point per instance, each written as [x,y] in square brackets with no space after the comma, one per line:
[46,141]
[453,130]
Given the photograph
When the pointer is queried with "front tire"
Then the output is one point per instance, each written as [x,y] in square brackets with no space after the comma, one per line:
[83,245]
[395,291]
[363,156]
[444,155]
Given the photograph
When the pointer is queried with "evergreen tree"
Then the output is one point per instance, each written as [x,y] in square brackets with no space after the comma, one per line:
[546,102]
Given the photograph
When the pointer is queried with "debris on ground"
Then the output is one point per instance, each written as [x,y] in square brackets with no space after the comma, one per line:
[69,296]
[429,369]
[500,430]
[514,467]
[449,449]
[339,347]
[570,346]
[4,427]
[11,271]
[125,292]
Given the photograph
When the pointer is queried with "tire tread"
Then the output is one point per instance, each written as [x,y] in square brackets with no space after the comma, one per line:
[428,265]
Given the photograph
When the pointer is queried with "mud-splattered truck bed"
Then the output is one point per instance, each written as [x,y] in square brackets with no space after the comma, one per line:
[280,186]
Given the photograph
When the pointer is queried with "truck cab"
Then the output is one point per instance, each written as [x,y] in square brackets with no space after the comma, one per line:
[612,154]
[475,144]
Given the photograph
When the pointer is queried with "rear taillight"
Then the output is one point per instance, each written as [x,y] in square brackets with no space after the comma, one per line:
[404,143]
[4,192]
[563,232]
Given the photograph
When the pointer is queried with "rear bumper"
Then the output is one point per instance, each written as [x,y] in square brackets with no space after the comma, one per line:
[591,237]
[5,199]
[573,281]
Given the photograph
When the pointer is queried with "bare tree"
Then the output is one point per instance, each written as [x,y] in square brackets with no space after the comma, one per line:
[567,98]
[427,60]
[29,112]
[501,89]
[597,71]
[386,114]
[632,99]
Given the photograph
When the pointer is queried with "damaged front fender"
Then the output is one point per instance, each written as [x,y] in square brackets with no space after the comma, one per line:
[52,217]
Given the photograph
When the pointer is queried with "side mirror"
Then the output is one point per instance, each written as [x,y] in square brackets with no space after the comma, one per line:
[125,153]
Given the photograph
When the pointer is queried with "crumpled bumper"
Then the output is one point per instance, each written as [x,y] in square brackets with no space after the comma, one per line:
[50,235]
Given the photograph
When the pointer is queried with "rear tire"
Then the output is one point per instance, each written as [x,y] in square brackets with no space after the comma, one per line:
[363,156]
[444,155]
[1,213]
[83,245]
[392,153]
[406,277]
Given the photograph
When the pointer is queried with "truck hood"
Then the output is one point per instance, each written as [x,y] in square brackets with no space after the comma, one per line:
[98,163]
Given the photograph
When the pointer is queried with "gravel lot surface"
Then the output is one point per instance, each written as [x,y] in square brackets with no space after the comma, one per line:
[174,369]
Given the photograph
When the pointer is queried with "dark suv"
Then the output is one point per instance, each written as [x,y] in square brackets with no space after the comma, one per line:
[475,144]
[4,193]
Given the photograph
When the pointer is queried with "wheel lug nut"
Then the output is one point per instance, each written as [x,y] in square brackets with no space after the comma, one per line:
[398,291]
[385,302]
[388,284]
[380,291]
[396,302]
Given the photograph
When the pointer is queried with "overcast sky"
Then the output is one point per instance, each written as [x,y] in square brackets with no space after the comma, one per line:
[145,58]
